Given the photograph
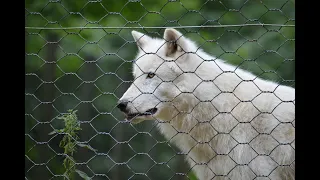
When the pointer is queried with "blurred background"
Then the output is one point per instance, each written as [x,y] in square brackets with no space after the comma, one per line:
[89,69]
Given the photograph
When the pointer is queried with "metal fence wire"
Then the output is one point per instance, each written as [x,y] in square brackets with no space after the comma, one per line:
[80,54]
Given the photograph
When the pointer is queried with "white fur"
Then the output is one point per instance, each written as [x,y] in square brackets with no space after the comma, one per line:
[227,121]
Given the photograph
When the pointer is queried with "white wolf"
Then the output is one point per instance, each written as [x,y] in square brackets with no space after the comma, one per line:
[230,123]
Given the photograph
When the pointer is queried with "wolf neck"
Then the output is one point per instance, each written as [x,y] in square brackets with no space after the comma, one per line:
[190,127]
[193,139]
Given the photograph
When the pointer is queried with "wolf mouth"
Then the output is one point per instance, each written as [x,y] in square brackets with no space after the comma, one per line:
[147,113]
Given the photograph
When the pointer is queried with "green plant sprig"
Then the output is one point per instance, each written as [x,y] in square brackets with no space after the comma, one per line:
[69,142]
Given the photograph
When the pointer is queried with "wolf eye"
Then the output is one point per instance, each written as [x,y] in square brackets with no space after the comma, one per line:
[150,75]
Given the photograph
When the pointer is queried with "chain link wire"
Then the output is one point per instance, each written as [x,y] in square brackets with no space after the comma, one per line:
[79,56]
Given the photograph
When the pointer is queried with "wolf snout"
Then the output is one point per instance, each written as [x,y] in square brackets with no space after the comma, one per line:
[122,105]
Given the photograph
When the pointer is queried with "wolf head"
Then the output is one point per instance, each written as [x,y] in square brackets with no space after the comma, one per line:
[160,76]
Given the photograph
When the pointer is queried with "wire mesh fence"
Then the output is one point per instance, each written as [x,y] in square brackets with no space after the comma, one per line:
[79,55]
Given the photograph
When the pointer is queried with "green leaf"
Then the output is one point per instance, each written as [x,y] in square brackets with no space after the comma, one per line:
[56,131]
[52,133]
[83,175]
[87,146]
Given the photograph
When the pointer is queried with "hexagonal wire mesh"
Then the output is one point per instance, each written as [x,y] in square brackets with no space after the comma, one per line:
[79,55]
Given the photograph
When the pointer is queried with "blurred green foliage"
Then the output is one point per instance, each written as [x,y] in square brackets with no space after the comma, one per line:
[89,69]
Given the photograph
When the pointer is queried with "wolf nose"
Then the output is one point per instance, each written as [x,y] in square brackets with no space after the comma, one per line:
[122,105]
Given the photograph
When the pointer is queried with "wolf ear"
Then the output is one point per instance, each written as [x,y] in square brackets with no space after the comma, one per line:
[141,39]
[174,41]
